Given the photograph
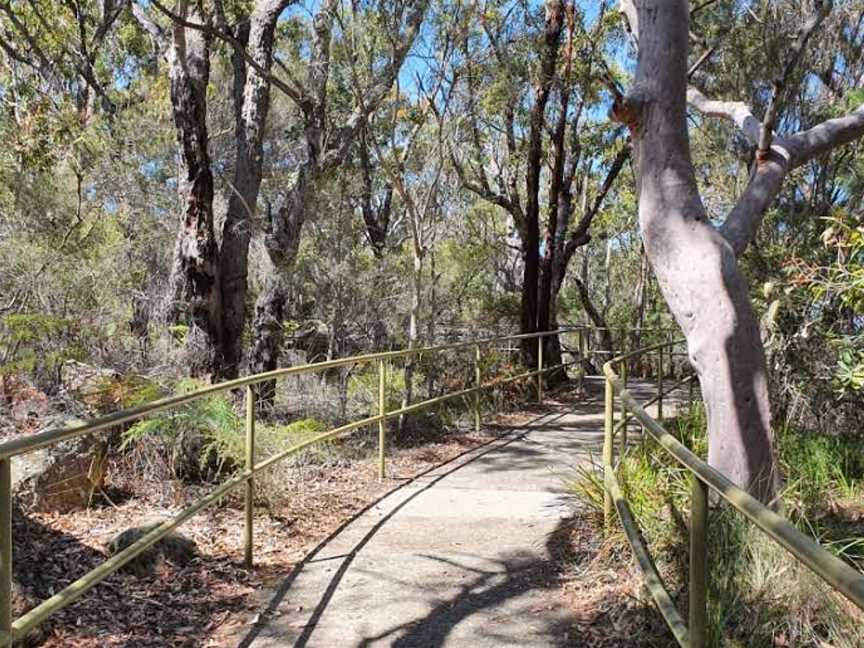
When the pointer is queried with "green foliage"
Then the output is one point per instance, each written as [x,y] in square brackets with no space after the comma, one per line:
[29,342]
[757,592]
[221,431]
[32,327]
[850,371]
[230,445]
[128,391]
[210,416]
[363,386]
[820,470]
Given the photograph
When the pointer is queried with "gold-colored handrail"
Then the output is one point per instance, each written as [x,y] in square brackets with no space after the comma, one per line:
[49,437]
[839,575]
[10,631]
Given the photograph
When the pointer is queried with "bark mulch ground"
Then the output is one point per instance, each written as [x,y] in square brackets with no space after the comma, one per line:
[200,602]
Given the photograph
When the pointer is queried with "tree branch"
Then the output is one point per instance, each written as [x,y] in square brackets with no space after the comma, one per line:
[804,33]
[735,111]
[766,181]
[297,94]
[827,136]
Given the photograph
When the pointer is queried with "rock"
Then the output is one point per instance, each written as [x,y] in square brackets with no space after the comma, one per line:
[61,477]
[26,403]
[22,602]
[89,385]
[174,547]
[103,391]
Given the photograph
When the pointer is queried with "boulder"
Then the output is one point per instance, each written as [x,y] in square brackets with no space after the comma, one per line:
[26,403]
[174,548]
[61,477]
[89,385]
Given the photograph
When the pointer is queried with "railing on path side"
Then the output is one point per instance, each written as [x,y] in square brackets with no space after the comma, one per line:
[10,631]
[693,634]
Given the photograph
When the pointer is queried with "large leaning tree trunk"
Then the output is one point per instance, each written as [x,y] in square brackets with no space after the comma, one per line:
[695,262]
[195,287]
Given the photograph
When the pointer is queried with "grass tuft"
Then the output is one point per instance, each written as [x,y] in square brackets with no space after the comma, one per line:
[759,596]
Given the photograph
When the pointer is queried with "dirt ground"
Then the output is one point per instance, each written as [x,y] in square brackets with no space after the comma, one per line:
[207,600]
[193,604]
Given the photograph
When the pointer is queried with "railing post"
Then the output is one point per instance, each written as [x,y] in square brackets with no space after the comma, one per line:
[608,421]
[581,359]
[660,384]
[540,369]
[698,562]
[250,481]
[382,427]
[478,381]
[623,410]
[6,551]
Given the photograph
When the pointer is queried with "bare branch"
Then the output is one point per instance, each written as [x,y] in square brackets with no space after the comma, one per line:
[804,33]
[827,136]
[701,6]
[705,56]
[735,111]
[579,236]
[380,86]
[769,173]
[297,94]
[765,183]
[631,17]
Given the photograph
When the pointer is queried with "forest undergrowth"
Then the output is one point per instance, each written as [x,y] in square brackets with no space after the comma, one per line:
[155,470]
[759,596]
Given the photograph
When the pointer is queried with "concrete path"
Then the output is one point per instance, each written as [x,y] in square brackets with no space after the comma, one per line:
[460,557]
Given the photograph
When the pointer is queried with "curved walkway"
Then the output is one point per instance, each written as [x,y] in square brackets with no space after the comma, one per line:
[461,556]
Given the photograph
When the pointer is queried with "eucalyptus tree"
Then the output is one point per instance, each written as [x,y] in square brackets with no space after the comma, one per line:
[696,262]
[414,167]
[528,90]
[210,268]
[330,130]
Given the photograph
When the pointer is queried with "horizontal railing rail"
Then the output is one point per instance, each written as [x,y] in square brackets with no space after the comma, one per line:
[10,631]
[49,437]
[835,572]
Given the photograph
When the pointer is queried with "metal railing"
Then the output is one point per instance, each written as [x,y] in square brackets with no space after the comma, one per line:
[693,634]
[12,630]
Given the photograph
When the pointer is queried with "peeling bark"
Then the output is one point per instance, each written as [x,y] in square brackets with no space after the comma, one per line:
[252,105]
[196,295]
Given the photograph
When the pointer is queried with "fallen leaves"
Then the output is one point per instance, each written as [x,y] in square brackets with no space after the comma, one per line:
[208,600]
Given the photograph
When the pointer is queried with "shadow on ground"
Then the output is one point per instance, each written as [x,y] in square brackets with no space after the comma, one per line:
[509,577]
[174,607]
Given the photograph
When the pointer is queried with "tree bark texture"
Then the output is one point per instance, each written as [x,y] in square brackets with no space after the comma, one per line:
[252,105]
[282,243]
[694,264]
[196,295]
[530,227]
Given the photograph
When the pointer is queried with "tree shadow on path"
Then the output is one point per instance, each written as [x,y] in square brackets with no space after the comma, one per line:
[456,463]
